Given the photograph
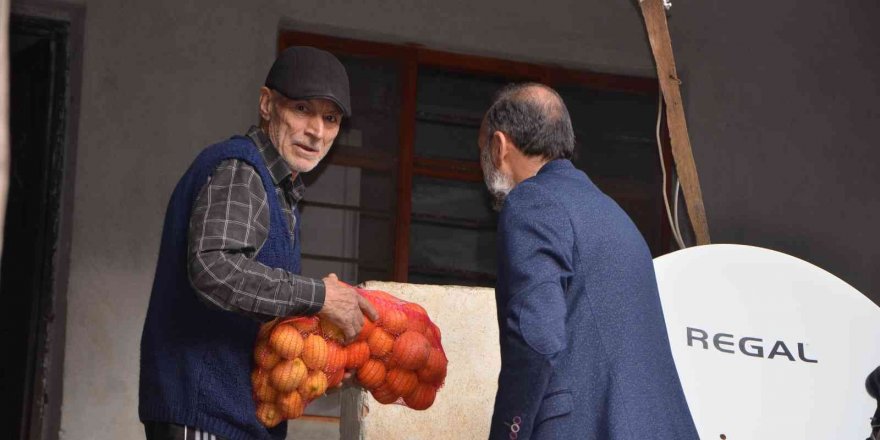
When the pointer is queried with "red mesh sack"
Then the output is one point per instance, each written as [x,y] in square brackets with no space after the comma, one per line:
[398,358]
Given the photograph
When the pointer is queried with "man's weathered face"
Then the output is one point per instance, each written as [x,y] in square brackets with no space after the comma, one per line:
[499,184]
[301,129]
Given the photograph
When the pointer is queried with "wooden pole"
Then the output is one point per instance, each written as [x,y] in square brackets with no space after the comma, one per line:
[661,45]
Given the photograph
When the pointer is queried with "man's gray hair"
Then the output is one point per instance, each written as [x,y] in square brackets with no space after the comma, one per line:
[535,118]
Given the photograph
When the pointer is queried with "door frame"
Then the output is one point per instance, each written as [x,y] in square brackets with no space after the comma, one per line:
[42,405]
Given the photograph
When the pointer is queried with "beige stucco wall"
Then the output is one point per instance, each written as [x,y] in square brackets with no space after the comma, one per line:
[463,407]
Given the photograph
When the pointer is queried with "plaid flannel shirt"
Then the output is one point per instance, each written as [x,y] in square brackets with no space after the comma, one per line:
[228,226]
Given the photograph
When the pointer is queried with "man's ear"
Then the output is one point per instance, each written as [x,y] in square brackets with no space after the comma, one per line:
[501,145]
[265,103]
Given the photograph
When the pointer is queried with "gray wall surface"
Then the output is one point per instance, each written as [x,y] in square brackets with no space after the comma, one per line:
[163,79]
[781,99]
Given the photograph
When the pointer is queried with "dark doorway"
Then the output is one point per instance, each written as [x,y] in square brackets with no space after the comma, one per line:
[39,66]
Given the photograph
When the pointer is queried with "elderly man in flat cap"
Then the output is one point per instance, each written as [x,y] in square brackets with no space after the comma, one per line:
[230,258]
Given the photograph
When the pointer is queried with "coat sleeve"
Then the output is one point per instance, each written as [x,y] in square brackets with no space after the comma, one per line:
[535,266]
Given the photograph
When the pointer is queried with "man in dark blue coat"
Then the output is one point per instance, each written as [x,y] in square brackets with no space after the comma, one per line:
[584,349]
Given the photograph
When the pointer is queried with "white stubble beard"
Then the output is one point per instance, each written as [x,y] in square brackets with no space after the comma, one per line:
[498,183]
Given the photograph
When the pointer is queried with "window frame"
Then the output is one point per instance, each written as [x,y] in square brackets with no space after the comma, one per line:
[409,59]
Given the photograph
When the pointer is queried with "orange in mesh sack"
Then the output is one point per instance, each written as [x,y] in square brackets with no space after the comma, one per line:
[398,358]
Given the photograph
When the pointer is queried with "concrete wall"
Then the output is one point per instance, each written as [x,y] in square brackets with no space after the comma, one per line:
[466,317]
[162,79]
[781,99]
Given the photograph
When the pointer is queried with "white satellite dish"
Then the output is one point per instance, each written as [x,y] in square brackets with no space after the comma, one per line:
[768,346]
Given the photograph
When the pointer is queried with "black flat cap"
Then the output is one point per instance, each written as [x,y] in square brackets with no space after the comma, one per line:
[302,72]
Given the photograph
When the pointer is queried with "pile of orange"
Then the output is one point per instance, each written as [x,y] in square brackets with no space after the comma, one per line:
[397,357]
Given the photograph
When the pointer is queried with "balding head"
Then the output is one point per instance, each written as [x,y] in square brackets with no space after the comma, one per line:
[535,118]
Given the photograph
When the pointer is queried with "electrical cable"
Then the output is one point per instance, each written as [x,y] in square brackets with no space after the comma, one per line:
[675,209]
[672,225]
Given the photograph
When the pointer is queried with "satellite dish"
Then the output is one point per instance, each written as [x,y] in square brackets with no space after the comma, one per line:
[768,346]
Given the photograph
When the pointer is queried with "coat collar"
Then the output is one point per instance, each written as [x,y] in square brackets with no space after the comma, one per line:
[556,165]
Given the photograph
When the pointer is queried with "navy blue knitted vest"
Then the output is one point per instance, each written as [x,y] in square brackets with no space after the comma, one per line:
[196,359]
